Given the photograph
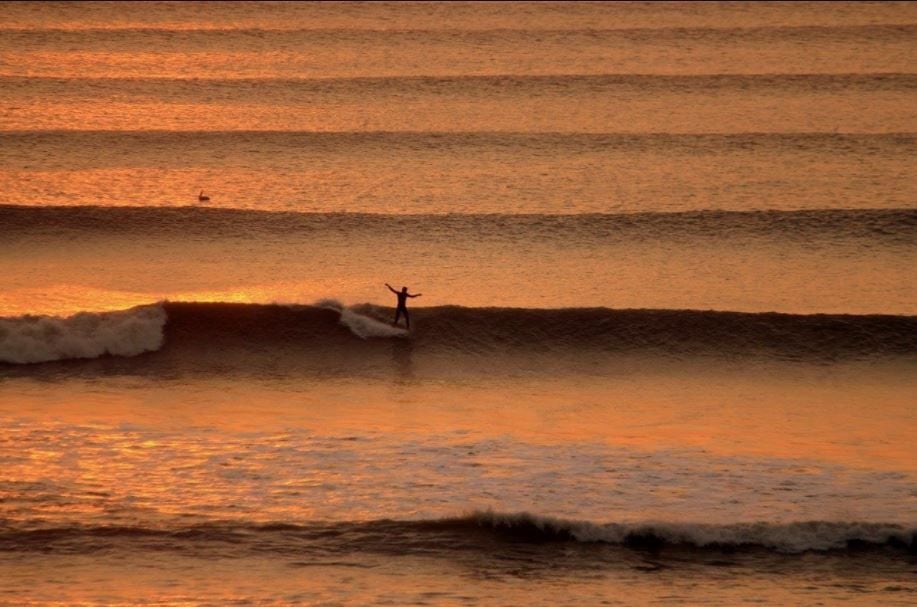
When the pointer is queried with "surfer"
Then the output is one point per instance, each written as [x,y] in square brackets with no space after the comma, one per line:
[402,304]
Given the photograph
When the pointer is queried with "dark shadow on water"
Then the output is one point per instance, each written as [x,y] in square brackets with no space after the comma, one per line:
[403,361]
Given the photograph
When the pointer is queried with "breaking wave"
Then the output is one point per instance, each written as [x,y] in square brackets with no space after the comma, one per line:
[787,538]
[478,532]
[35,339]
[359,324]
[217,328]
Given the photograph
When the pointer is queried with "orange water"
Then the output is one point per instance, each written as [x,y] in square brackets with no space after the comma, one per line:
[746,157]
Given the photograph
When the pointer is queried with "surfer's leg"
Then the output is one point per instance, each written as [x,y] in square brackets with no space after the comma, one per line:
[397,316]
[407,319]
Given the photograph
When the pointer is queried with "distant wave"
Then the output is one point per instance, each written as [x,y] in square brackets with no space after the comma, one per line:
[876,226]
[21,143]
[297,90]
[480,532]
[211,330]
[108,36]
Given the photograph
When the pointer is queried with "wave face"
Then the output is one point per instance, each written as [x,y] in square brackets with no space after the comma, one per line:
[482,532]
[313,331]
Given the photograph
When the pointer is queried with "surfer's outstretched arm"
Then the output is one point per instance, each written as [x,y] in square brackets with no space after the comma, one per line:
[416,295]
[391,289]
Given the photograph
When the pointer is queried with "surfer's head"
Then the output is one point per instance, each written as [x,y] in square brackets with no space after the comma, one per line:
[404,289]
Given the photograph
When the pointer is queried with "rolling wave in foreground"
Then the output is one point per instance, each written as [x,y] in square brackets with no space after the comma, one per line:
[475,532]
[176,327]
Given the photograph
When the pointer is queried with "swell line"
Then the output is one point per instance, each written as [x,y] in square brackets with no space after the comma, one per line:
[13,138]
[479,532]
[881,31]
[896,227]
[192,336]
[16,85]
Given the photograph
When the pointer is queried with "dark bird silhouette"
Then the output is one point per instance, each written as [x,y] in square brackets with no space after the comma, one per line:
[202,198]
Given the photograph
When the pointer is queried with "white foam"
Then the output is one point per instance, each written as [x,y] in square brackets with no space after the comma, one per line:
[359,324]
[329,304]
[35,339]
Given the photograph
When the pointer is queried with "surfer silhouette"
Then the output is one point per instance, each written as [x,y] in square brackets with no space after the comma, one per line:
[402,304]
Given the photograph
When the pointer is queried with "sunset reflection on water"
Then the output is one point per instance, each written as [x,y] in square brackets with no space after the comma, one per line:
[665,347]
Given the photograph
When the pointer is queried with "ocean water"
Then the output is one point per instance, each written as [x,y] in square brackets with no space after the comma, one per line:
[665,352]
